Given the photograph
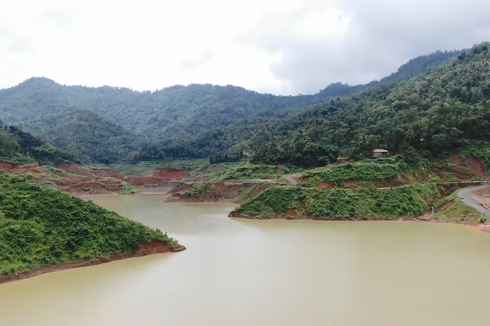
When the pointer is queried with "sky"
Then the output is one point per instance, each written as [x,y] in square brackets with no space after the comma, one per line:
[271,46]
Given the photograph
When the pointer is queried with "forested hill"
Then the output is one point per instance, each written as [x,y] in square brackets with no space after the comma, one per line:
[108,124]
[19,147]
[435,113]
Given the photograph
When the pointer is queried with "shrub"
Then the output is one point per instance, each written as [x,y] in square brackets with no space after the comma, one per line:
[342,203]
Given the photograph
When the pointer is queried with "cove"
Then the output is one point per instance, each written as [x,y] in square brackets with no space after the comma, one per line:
[275,272]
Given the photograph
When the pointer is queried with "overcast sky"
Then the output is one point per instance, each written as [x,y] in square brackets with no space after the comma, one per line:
[273,46]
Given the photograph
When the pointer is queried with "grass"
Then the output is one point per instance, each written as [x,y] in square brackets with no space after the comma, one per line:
[236,193]
[458,211]
[199,191]
[246,171]
[53,172]
[340,204]
[149,167]
[128,188]
[361,171]
[41,227]
[17,159]
[384,169]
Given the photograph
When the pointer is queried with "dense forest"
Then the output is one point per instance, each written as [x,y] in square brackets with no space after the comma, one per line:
[433,113]
[19,147]
[40,227]
[109,124]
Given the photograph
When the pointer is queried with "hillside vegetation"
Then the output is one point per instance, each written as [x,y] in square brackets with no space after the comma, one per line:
[108,124]
[435,113]
[453,209]
[19,147]
[42,227]
[339,204]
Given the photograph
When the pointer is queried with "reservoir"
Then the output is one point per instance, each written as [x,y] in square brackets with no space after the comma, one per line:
[273,273]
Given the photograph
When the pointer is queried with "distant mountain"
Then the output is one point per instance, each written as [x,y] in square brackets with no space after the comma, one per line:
[106,124]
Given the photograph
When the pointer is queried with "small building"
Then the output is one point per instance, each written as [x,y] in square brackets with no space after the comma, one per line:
[380,153]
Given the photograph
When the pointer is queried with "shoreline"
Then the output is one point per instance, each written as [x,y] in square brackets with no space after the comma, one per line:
[424,218]
[145,249]
[485,228]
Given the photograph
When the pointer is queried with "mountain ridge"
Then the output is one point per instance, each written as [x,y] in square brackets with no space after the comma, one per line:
[171,117]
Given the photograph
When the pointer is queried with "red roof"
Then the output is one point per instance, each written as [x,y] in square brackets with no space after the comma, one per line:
[380,151]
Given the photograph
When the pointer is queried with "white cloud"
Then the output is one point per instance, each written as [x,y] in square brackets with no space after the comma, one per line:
[145,44]
[266,45]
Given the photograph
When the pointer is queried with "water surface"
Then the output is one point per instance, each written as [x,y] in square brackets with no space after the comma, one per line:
[243,272]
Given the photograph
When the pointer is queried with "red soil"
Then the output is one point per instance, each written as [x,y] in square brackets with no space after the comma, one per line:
[76,169]
[143,181]
[82,180]
[326,185]
[349,182]
[171,175]
[393,182]
[474,165]
[446,206]
[183,187]
[5,166]
[108,173]
[70,180]
[219,192]
[23,169]
[94,187]
[344,160]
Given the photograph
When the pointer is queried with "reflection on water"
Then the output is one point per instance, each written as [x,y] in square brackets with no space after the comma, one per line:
[243,272]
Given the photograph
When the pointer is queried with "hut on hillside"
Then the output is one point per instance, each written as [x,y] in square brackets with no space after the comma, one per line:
[380,153]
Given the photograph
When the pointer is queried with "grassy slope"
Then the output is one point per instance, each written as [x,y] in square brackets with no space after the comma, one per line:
[368,171]
[351,171]
[149,167]
[340,204]
[457,211]
[42,227]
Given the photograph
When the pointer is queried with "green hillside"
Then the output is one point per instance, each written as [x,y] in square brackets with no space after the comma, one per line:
[19,147]
[42,227]
[435,113]
[340,204]
[109,124]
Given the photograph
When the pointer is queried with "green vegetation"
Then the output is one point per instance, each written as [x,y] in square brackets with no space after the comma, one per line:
[249,171]
[18,147]
[434,114]
[479,150]
[219,191]
[149,167]
[53,172]
[351,171]
[110,124]
[199,191]
[128,189]
[40,227]
[457,210]
[366,203]
[17,158]
[221,157]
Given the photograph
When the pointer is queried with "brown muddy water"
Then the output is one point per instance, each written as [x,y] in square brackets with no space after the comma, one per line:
[248,272]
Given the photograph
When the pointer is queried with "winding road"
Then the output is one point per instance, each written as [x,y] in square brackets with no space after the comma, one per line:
[468,199]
